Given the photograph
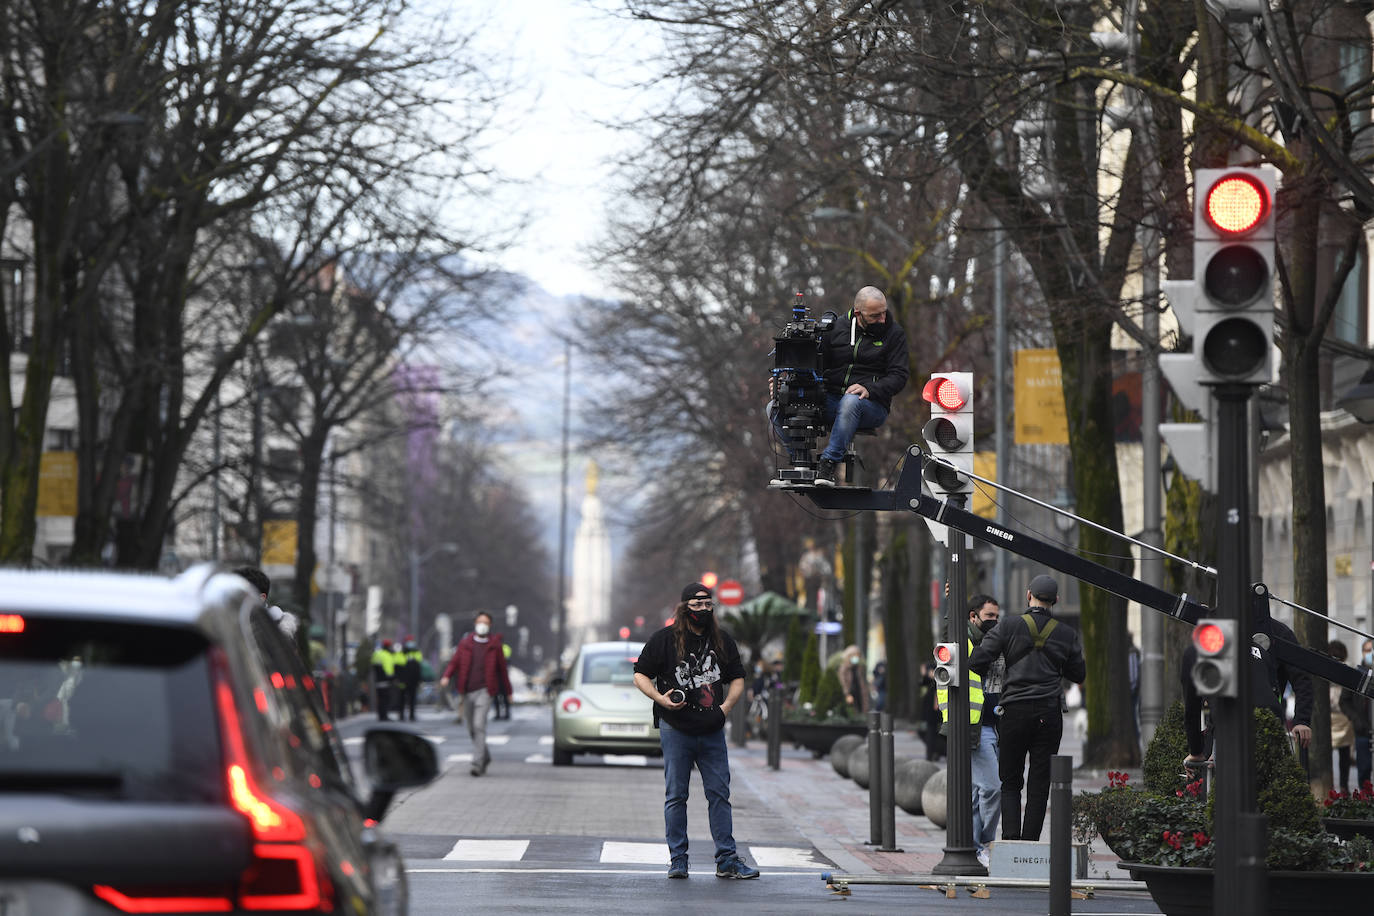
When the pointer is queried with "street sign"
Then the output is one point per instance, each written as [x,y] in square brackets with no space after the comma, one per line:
[828,627]
[730,592]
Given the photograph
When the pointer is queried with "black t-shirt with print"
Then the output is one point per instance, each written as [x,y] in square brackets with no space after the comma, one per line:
[702,676]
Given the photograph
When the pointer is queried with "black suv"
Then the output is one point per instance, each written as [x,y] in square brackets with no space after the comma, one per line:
[163,749]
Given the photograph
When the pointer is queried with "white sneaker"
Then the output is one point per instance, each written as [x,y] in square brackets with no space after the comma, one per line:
[983,857]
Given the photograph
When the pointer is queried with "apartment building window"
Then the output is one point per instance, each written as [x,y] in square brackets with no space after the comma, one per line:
[1355,62]
[1347,322]
[12,298]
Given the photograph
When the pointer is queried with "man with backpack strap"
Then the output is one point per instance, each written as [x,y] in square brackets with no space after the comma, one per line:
[1040,653]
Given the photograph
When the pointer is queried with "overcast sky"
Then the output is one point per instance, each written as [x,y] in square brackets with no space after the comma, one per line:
[570,63]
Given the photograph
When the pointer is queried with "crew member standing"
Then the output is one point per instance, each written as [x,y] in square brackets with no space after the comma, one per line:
[1040,653]
[410,677]
[383,673]
[983,612]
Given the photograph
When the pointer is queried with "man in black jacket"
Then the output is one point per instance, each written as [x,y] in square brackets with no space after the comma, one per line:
[1040,653]
[865,365]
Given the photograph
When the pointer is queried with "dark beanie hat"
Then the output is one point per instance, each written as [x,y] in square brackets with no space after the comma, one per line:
[691,591]
[1045,588]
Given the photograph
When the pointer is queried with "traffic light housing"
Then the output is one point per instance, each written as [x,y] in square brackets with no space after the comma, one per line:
[949,432]
[1214,671]
[1233,275]
[947,664]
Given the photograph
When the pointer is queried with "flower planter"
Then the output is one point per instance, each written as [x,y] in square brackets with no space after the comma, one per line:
[818,737]
[1349,828]
[1188,891]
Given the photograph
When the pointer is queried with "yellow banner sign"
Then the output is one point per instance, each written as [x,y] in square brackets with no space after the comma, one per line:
[279,542]
[1040,417]
[57,484]
[984,465]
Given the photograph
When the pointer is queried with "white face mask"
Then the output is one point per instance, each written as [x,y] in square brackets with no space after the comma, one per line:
[1369,659]
[853,659]
[482,629]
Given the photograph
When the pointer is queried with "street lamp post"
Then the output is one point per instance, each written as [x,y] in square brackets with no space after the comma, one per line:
[417,560]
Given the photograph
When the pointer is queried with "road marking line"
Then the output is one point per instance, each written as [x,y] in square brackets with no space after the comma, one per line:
[538,758]
[545,740]
[786,857]
[629,760]
[487,851]
[458,758]
[498,739]
[614,852]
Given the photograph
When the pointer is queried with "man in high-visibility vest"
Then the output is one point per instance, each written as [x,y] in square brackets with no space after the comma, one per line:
[983,613]
[409,676]
[383,673]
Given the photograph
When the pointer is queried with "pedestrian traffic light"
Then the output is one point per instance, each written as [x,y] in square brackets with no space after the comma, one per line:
[1233,273]
[1214,671]
[949,432]
[947,664]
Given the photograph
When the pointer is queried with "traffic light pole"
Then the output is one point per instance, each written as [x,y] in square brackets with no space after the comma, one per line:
[1239,873]
[960,856]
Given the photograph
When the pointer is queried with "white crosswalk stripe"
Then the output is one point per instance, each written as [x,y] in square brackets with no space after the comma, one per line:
[786,857]
[617,853]
[488,851]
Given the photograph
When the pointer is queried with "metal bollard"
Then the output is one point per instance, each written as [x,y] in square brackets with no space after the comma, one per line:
[739,723]
[875,791]
[775,728]
[887,776]
[1061,819]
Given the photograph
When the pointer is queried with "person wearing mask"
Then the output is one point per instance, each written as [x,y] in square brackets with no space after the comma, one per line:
[983,613]
[864,363]
[409,677]
[383,674]
[692,672]
[478,672]
[287,622]
[853,681]
[1040,653]
[1359,709]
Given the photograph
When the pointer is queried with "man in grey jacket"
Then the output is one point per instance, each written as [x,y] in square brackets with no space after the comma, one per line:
[1040,653]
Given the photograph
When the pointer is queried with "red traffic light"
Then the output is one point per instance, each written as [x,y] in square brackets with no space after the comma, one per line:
[944,654]
[1209,638]
[1236,204]
[944,393]
[624,632]
[709,579]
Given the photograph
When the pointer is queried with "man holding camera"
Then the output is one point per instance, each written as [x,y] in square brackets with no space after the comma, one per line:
[692,672]
[864,364]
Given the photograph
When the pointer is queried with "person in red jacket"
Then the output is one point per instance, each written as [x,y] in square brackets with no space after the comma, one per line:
[478,672]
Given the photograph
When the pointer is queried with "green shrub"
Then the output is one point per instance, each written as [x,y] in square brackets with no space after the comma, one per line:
[830,698]
[1163,764]
[810,671]
[793,651]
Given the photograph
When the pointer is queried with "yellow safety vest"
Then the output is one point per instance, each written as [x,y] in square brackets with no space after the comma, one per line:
[975,694]
[386,660]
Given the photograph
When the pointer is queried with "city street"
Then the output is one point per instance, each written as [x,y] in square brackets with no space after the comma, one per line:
[531,837]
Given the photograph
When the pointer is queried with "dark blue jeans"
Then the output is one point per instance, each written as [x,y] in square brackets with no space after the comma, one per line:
[1031,730]
[845,415]
[707,752]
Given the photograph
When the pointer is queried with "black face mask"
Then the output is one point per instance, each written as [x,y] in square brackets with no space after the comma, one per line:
[698,618]
[987,625]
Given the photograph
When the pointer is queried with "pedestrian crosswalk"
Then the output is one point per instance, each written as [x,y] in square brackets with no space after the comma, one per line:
[509,852]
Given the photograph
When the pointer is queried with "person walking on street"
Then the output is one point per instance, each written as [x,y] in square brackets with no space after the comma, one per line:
[409,678]
[501,702]
[1040,653]
[693,673]
[478,672]
[1360,710]
[383,674]
[852,680]
[983,613]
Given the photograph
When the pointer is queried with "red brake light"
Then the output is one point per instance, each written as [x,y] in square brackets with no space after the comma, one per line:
[11,623]
[1236,204]
[127,903]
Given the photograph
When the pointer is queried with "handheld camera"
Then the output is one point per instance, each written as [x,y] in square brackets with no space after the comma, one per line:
[798,395]
[676,696]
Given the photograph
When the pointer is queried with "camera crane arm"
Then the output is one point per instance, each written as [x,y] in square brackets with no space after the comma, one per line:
[908,494]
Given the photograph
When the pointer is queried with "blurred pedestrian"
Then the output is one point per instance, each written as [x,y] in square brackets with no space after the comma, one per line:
[853,681]
[409,677]
[1358,708]
[930,715]
[1041,653]
[478,672]
[880,687]
[383,676]
[501,702]
[285,620]
[693,673]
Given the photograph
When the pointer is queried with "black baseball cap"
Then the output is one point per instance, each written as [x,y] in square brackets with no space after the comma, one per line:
[1044,588]
[696,588]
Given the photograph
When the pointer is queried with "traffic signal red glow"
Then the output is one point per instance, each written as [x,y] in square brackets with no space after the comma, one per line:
[943,654]
[944,392]
[709,579]
[1237,204]
[1209,638]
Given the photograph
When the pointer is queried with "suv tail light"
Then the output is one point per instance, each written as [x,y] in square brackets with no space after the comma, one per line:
[284,874]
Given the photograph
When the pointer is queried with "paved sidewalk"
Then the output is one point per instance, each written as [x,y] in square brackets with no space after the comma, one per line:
[832,811]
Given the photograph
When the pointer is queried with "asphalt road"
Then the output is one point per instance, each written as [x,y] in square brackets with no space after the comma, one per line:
[588,839]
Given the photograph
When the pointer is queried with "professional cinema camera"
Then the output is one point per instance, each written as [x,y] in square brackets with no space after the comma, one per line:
[798,397]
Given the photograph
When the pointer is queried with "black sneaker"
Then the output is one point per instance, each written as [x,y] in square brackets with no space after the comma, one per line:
[679,868]
[734,868]
[825,473]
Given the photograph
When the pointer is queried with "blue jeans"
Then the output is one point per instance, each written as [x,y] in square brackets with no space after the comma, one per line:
[987,788]
[1362,760]
[845,415]
[708,753]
